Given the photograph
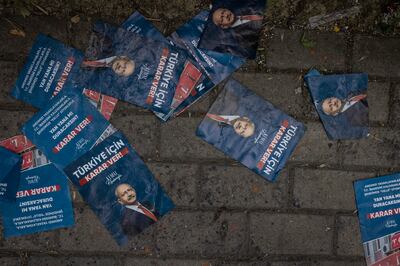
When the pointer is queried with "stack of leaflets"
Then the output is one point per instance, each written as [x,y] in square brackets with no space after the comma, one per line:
[100,162]
[70,136]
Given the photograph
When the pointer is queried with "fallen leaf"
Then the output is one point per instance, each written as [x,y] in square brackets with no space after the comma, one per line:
[17,32]
[306,42]
[75,19]
[336,28]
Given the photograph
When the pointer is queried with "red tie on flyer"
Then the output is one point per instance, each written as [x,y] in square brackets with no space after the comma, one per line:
[148,213]
[251,17]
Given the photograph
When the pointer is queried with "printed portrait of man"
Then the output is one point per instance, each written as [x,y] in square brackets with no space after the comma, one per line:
[242,126]
[136,216]
[355,108]
[234,28]
[121,65]
[225,19]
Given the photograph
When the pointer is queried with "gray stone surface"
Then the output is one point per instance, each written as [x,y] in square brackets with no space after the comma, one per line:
[377,56]
[285,50]
[141,131]
[179,181]
[238,187]
[378,150]
[291,234]
[11,122]
[10,261]
[379,101]
[178,140]
[8,77]
[349,238]
[315,147]
[326,189]
[202,233]
[16,48]
[69,261]
[284,91]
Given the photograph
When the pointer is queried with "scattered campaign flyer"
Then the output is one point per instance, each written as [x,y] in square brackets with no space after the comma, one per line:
[119,188]
[250,130]
[138,24]
[214,66]
[99,161]
[378,204]
[66,128]
[341,103]
[130,67]
[50,67]
[234,27]
[10,166]
[42,200]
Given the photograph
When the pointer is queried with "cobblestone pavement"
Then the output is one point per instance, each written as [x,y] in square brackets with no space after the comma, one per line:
[225,214]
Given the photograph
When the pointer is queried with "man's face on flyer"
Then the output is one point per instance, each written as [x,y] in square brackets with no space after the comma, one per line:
[126,194]
[331,106]
[123,66]
[223,18]
[244,127]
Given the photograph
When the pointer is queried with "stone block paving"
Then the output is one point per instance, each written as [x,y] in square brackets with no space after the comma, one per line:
[225,214]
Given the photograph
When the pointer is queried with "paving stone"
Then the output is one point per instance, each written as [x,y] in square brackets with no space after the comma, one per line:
[377,56]
[284,91]
[115,11]
[87,229]
[349,237]
[8,77]
[285,50]
[290,233]
[395,106]
[315,146]
[17,48]
[167,262]
[238,187]
[378,101]
[378,150]
[318,263]
[11,122]
[140,131]
[325,189]
[88,226]
[37,241]
[244,263]
[178,180]
[202,233]
[178,140]
[10,261]
[69,261]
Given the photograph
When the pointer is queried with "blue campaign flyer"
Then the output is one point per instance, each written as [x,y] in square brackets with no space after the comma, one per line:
[50,67]
[234,27]
[250,130]
[341,103]
[9,175]
[378,204]
[42,201]
[133,68]
[138,24]
[66,128]
[119,188]
[214,66]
